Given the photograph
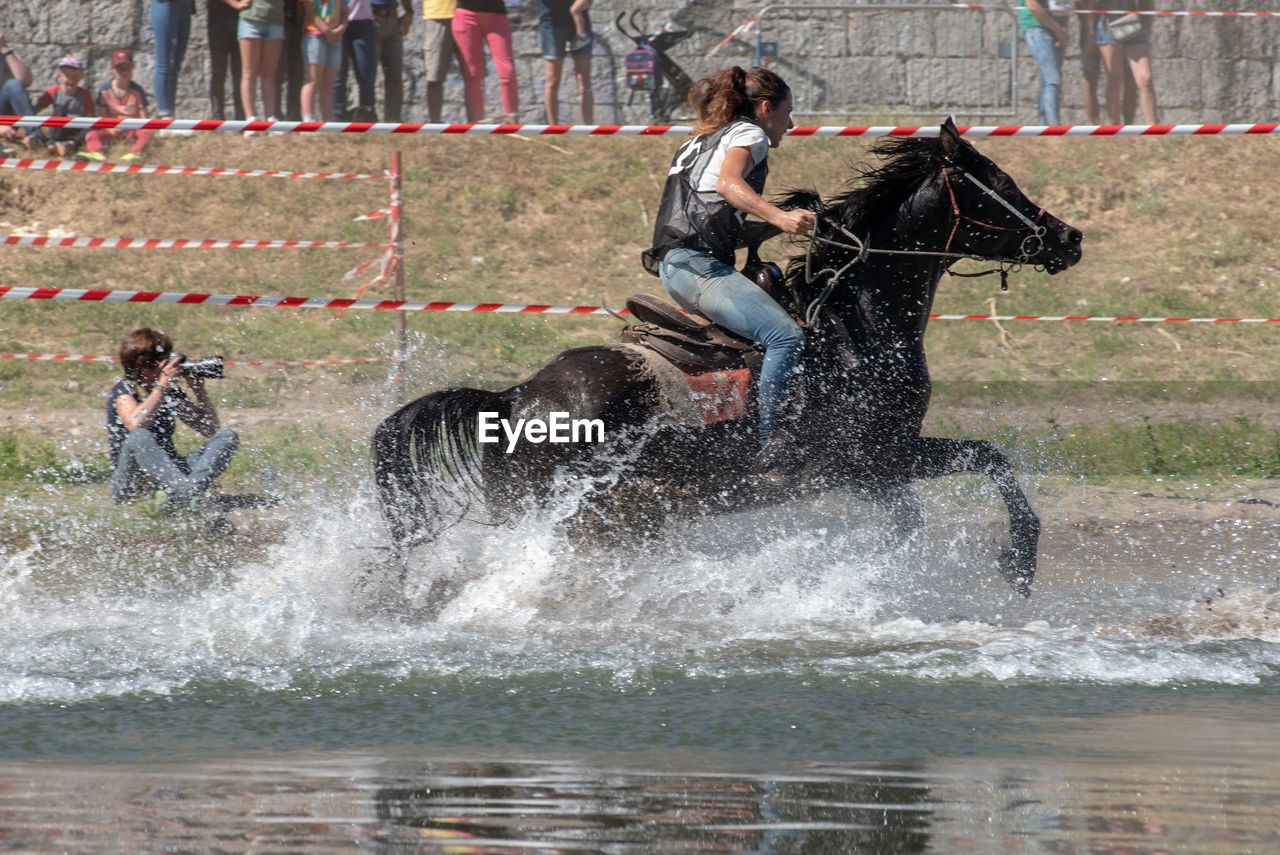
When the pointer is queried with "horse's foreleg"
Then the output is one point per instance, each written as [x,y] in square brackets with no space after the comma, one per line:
[940,457]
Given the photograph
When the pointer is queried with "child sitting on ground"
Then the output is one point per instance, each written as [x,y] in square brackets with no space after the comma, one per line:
[68,99]
[120,98]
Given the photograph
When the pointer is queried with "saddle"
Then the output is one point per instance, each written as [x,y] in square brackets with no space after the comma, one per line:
[691,342]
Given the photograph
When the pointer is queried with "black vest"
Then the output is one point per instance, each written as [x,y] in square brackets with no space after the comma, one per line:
[162,425]
[704,220]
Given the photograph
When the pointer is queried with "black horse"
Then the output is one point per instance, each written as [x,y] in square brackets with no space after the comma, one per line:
[864,287]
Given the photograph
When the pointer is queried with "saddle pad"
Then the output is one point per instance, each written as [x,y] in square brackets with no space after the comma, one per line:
[721,395]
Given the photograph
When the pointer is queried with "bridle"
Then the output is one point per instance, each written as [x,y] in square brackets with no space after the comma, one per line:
[1030,247]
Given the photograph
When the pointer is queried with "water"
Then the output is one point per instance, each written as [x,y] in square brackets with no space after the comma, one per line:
[787,681]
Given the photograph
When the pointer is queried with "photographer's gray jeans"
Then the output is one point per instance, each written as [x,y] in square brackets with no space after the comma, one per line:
[142,455]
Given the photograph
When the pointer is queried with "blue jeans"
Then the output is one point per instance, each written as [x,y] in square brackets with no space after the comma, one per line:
[171,23]
[700,283]
[1048,58]
[555,40]
[358,48]
[1102,34]
[14,100]
[317,50]
[141,457]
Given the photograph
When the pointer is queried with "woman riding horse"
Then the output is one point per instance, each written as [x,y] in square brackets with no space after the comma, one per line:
[715,180]
[865,287]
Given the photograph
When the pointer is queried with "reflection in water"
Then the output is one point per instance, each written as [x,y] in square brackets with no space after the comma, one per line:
[881,813]
[342,804]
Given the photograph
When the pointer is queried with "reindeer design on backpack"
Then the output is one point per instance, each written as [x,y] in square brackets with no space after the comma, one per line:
[650,70]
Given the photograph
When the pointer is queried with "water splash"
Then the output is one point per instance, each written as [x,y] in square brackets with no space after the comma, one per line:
[821,585]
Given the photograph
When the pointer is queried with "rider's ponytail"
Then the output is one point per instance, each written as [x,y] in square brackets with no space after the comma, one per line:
[732,94]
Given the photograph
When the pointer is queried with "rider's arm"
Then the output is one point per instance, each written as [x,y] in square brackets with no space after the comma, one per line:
[733,186]
[756,231]
[141,414]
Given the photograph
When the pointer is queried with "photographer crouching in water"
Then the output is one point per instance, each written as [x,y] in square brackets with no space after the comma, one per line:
[142,412]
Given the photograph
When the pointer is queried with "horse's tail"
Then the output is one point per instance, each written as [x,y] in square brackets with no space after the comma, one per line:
[427,459]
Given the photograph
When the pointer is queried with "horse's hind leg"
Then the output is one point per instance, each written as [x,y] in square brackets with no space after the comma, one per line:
[937,457]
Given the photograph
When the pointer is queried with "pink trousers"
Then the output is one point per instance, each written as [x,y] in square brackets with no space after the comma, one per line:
[96,140]
[471,30]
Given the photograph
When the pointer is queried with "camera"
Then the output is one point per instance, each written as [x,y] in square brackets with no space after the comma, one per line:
[206,368]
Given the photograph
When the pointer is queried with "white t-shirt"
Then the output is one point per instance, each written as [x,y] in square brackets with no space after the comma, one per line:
[742,134]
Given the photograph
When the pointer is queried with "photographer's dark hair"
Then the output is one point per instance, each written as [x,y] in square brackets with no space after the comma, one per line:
[144,348]
[732,94]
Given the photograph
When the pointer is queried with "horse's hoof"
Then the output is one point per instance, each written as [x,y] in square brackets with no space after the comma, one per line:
[1017,572]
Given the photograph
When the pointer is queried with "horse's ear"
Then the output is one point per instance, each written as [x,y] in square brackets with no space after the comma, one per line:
[950,137]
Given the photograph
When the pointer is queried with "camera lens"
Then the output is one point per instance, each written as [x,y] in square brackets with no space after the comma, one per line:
[207,368]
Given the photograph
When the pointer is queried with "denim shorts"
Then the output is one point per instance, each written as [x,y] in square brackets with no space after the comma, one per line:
[266,32]
[317,50]
[1102,35]
[555,40]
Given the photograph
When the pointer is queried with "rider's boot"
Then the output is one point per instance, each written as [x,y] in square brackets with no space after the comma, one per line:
[778,461]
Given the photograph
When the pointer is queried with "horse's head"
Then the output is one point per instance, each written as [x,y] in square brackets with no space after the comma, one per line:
[992,218]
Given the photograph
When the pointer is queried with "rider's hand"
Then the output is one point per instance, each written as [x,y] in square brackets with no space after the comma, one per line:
[796,222]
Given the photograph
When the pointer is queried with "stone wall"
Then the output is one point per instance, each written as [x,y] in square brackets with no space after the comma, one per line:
[1206,70]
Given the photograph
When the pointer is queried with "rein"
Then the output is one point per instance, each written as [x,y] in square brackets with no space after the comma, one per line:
[1031,246]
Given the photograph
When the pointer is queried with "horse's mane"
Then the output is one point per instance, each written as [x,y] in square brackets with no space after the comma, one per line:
[876,190]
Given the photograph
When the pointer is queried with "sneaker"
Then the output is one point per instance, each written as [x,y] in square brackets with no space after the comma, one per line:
[5,151]
[157,503]
[251,133]
[579,41]
[273,133]
[92,155]
[131,156]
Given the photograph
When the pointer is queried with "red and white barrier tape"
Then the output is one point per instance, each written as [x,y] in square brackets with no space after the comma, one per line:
[392,253]
[254,301]
[1171,14]
[742,28]
[87,295]
[1179,14]
[138,169]
[176,243]
[256,363]
[81,123]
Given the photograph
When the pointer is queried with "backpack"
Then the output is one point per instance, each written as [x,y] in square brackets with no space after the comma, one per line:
[643,70]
